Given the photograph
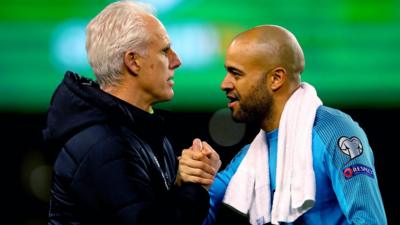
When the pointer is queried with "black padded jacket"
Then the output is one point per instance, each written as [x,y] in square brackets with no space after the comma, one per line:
[115,164]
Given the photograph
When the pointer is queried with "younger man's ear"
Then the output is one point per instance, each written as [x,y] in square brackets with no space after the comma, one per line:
[278,77]
[131,60]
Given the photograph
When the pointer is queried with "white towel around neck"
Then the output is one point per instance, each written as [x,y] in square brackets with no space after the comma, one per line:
[249,189]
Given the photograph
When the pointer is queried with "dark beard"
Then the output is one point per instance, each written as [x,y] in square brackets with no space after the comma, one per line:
[255,108]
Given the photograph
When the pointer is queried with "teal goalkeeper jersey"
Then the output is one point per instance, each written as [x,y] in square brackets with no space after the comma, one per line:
[347,190]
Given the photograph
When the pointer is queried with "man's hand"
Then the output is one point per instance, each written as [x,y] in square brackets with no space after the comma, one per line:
[212,155]
[198,164]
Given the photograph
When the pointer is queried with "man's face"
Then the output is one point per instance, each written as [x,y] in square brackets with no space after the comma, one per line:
[246,85]
[158,64]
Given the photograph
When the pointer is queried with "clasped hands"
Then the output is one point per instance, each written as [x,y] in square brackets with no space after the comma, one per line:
[198,164]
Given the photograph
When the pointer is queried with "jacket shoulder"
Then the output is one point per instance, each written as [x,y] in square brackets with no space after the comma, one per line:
[102,140]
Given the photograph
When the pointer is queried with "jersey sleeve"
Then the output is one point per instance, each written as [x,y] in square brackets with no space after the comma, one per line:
[350,164]
[221,181]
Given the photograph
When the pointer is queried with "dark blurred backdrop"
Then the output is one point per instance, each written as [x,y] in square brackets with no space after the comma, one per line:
[27,165]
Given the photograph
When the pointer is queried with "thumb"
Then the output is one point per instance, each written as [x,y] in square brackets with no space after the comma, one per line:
[197,145]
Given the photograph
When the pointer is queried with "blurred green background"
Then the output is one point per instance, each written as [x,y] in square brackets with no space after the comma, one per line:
[351,47]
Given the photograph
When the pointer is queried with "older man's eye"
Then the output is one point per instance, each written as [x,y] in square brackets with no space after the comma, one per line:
[166,50]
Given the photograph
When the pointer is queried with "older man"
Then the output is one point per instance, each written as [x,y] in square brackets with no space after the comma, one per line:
[116,165]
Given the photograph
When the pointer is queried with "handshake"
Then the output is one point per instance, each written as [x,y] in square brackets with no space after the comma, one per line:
[198,164]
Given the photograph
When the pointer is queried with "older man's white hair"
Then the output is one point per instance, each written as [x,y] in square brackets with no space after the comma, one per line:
[114,31]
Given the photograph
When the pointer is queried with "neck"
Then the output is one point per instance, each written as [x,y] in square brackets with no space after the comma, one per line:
[271,121]
[126,94]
